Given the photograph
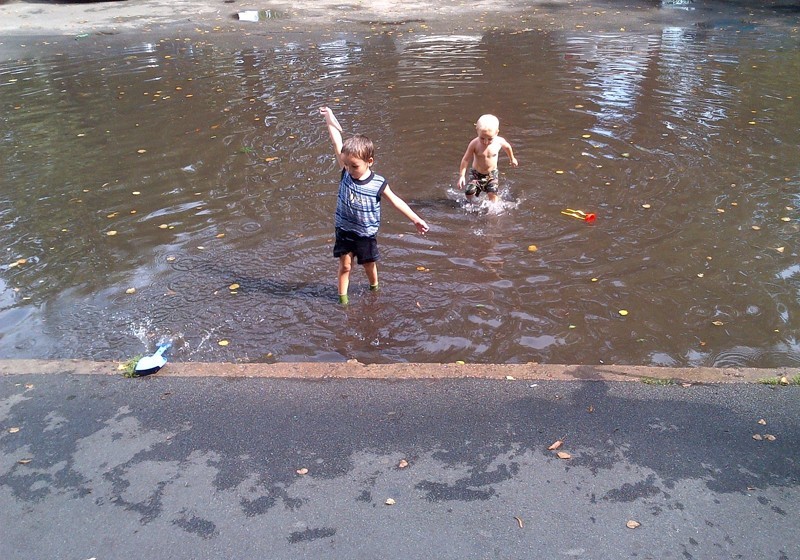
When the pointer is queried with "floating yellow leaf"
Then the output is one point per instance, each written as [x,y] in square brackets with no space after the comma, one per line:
[270,159]
[136,193]
[555,445]
[586,136]
[223,342]
[302,471]
[390,502]
[780,249]
[700,274]
[721,210]
[645,206]
[111,233]
[163,226]
[623,312]
[769,437]
[170,259]
[402,464]
[532,248]
[13,430]
[563,455]
[220,235]
[421,268]
[233,286]
[22,261]
[625,154]
[757,437]
[141,151]
[762,422]
[559,172]
[717,323]
[460,362]
[756,228]
[786,219]
[130,291]
[631,524]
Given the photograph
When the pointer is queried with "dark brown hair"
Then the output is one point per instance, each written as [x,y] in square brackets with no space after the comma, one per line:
[359,146]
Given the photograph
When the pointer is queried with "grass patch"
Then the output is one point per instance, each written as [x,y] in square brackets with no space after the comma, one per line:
[778,380]
[658,381]
[129,368]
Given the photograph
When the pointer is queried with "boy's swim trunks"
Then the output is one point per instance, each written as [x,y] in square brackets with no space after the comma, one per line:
[480,182]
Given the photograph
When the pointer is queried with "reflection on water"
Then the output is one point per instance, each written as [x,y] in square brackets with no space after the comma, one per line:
[182,168]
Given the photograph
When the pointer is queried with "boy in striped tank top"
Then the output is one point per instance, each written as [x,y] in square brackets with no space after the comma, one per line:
[358,206]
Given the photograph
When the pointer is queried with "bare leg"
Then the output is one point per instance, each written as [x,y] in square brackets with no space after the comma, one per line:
[345,264]
[371,269]
[492,197]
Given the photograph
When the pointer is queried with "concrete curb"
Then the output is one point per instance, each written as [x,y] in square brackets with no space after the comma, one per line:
[356,370]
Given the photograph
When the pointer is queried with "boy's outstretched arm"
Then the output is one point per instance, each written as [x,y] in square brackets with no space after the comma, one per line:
[334,131]
[465,162]
[510,153]
[405,209]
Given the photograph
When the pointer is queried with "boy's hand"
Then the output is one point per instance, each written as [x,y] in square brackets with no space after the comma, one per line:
[422,227]
[513,162]
[461,183]
[330,118]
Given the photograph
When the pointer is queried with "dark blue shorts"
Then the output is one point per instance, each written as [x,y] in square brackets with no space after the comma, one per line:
[364,248]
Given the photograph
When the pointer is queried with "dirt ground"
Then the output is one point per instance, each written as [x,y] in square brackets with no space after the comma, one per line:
[43,17]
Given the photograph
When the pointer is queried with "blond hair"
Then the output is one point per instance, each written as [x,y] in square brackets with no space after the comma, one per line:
[488,122]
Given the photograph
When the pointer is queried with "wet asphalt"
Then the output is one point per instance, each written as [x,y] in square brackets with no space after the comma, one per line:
[187,468]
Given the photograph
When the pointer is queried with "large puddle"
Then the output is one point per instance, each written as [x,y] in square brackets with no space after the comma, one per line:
[213,168]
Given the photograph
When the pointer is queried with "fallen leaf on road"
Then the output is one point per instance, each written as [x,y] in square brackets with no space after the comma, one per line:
[519,521]
[631,524]
[130,291]
[769,437]
[402,464]
[556,444]
[784,380]
[390,502]
[24,461]
[563,455]
[762,422]
[757,437]
[302,471]
[13,430]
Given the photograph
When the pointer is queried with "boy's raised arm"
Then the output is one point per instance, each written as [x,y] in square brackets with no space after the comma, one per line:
[334,131]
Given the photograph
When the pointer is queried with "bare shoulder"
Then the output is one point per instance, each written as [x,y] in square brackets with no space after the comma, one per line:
[502,140]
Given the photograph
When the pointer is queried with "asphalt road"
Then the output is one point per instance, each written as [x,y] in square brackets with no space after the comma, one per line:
[111,468]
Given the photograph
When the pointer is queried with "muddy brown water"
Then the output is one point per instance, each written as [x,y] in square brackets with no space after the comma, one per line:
[212,166]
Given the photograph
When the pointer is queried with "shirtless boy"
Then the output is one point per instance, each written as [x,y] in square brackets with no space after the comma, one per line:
[482,153]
